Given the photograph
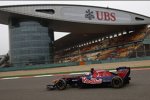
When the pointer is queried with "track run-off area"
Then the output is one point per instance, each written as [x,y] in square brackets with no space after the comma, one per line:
[34,88]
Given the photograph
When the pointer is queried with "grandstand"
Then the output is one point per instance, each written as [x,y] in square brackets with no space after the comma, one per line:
[97,34]
[122,45]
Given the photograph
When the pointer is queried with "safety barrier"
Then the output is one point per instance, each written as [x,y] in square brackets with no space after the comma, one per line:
[118,60]
[72,64]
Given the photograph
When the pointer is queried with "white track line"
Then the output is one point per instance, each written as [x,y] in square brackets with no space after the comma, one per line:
[43,75]
[64,74]
[10,78]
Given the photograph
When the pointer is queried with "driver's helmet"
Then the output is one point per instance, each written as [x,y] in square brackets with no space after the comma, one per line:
[92,71]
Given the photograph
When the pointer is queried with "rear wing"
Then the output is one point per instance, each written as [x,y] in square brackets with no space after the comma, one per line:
[123,72]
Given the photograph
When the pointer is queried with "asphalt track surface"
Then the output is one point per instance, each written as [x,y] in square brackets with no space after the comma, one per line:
[34,89]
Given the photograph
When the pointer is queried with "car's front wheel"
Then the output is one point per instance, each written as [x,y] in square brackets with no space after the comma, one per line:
[117,82]
[61,84]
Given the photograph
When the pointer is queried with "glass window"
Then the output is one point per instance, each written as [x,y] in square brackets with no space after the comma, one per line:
[29,42]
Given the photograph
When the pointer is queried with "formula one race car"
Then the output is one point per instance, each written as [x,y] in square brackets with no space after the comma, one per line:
[96,78]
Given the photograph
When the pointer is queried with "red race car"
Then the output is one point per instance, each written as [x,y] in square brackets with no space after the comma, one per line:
[96,78]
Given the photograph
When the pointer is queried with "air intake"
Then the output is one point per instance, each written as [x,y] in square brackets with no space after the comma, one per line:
[139,19]
[48,11]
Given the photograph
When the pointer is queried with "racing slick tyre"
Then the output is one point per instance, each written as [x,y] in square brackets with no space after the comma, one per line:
[117,82]
[61,84]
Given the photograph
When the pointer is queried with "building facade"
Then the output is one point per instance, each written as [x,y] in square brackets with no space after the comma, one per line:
[31,42]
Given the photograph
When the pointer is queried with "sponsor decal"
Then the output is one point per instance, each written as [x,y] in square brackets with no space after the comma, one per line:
[91,81]
[89,14]
[100,15]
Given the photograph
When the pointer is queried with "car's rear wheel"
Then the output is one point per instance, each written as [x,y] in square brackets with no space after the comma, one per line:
[117,82]
[61,84]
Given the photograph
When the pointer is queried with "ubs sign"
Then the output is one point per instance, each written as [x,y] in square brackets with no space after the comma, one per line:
[95,15]
[100,15]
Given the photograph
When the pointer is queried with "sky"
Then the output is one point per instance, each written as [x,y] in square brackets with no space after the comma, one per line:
[140,7]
